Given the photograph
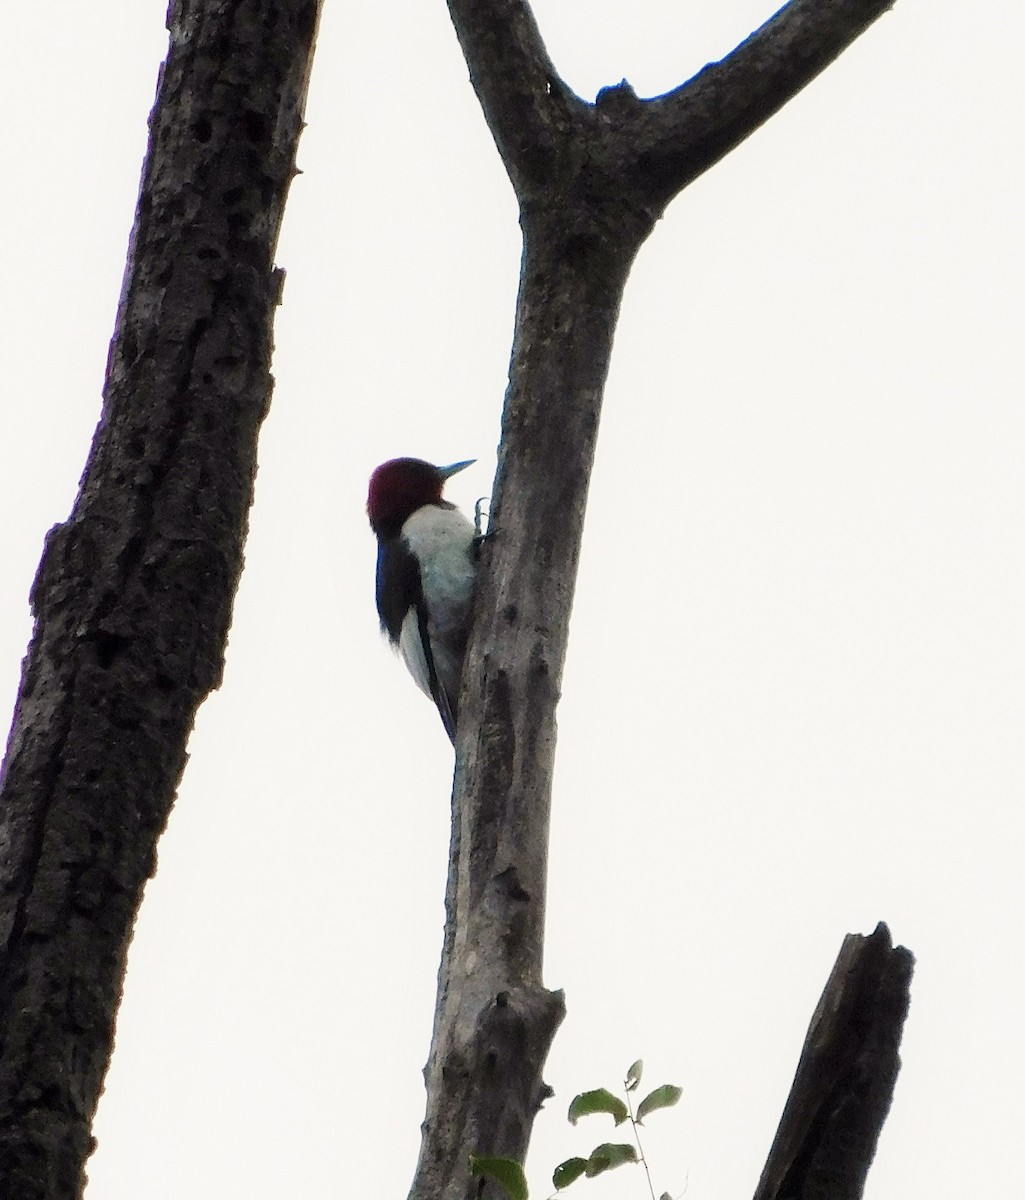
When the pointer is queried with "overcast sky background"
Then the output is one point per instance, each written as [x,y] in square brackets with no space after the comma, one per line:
[794,699]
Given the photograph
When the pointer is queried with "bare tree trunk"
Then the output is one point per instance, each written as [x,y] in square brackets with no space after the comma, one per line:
[844,1083]
[591,181]
[133,597]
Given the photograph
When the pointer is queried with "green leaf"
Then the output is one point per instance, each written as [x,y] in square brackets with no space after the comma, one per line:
[633,1075]
[662,1097]
[506,1173]
[566,1172]
[601,1100]
[608,1155]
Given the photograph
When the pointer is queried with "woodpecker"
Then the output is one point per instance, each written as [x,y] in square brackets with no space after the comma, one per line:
[425,574]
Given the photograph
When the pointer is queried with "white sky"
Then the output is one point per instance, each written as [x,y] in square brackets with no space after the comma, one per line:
[794,697]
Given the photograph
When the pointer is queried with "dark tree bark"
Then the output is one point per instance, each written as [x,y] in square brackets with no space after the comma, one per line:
[133,597]
[591,181]
[844,1083]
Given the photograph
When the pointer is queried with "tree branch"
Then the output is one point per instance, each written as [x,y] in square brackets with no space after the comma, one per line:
[591,181]
[133,596]
[689,129]
[846,1075]
[658,146]
[526,104]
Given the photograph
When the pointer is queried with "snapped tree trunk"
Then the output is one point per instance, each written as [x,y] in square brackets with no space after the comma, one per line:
[845,1078]
[591,181]
[133,597]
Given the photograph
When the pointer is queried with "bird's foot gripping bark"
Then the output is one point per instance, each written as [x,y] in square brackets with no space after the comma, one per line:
[479,536]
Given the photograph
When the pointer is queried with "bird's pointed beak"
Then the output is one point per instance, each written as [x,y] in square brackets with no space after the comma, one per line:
[455,468]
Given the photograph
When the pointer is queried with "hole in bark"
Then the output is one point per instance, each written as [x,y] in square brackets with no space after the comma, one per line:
[509,882]
[510,613]
[202,129]
[233,195]
[208,252]
[108,647]
[255,126]
[164,682]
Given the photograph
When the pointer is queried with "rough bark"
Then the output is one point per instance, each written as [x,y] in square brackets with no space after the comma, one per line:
[591,181]
[841,1093]
[133,597]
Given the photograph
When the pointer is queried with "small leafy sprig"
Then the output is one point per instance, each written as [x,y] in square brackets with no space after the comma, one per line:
[509,1174]
[614,1154]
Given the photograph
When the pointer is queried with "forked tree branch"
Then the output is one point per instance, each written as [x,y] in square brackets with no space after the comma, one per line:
[591,181]
[658,145]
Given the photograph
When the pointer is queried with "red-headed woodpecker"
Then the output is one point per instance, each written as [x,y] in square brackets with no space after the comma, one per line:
[425,574]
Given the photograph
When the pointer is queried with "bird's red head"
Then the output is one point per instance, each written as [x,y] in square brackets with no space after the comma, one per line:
[402,485]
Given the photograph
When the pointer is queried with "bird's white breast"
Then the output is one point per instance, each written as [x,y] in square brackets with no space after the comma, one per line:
[441,539]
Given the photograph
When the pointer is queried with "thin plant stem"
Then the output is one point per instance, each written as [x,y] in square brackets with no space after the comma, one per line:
[637,1139]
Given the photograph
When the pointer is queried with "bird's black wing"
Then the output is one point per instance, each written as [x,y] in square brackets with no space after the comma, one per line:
[399,599]
[398,585]
[438,693]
